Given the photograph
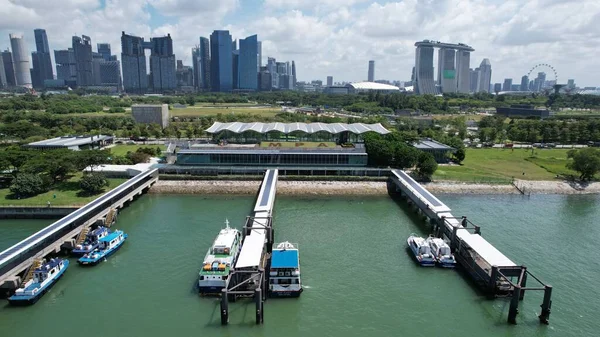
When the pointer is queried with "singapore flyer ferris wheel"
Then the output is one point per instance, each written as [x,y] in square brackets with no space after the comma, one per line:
[549,70]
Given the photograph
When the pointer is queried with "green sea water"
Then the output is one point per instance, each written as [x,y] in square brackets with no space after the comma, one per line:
[359,278]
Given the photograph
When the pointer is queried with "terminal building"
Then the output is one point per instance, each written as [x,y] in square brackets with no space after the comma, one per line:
[75,143]
[523,110]
[151,114]
[441,152]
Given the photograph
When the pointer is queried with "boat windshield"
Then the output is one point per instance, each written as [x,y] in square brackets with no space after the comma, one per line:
[220,250]
[424,250]
[444,250]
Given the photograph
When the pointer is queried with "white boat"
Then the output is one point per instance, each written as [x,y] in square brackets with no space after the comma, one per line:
[284,276]
[219,260]
[441,252]
[42,279]
[421,250]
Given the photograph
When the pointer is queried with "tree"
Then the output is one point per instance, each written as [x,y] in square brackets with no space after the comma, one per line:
[426,165]
[585,161]
[405,156]
[28,184]
[93,183]
[138,157]
[460,154]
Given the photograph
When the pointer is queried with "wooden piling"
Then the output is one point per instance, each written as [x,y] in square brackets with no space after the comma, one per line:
[546,305]
[514,305]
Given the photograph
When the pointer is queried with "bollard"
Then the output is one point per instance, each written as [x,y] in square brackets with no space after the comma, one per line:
[224,307]
[477,230]
[492,282]
[464,221]
[546,305]
[523,283]
[259,309]
[514,305]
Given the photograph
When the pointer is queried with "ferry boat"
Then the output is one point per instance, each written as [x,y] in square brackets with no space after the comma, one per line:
[44,277]
[421,250]
[91,241]
[441,252]
[284,280]
[219,260]
[106,247]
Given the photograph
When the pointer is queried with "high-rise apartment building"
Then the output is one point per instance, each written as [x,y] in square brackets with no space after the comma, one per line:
[539,82]
[447,70]
[221,70]
[82,47]
[185,75]
[135,78]
[371,74]
[248,59]
[205,62]
[329,81]
[162,64]
[524,83]
[20,60]
[485,76]
[507,84]
[42,63]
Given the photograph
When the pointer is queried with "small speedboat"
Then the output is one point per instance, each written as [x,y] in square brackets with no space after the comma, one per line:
[441,252]
[91,241]
[421,250]
[284,276]
[106,247]
[42,279]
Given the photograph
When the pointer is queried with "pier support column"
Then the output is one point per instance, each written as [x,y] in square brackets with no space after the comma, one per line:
[453,239]
[523,283]
[492,282]
[514,305]
[224,307]
[259,307]
[546,305]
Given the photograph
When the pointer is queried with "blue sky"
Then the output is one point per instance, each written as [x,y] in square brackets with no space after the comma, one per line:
[338,37]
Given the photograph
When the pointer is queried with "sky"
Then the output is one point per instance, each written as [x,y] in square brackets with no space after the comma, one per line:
[339,37]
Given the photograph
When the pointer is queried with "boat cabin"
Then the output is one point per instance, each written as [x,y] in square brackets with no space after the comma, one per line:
[110,240]
[285,267]
[440,248]
[224,243]
[420,246]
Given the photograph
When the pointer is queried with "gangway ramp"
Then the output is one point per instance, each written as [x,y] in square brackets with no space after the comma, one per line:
[427,202]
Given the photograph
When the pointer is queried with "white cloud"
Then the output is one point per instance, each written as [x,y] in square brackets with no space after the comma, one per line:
[338,37]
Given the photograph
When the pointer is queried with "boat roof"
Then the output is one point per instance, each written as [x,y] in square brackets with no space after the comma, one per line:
[252,250]
[51,264]
[225,238]
[488,252]
[97,231]
[284,258]
[110,236]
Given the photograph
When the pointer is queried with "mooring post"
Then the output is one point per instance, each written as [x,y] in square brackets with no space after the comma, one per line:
[546,305]
[258,301]
[523,282]
[464,221]
[477,230]
[514,305]
[224,307]
[492,282]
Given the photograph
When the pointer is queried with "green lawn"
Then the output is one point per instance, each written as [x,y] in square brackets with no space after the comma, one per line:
[213,111]
[121,150]
[501,165]
[67,194]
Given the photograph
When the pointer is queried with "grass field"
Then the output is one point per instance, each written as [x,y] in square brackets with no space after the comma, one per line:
[67,193]
[121,150]
[213,111]
[501,165]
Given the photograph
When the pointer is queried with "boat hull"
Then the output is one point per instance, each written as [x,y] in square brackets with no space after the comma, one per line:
[21,300]
[93,262]
[448,265]
[207,290]
[288,293]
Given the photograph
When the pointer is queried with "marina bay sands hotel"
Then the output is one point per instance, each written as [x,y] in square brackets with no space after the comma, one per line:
[453,68]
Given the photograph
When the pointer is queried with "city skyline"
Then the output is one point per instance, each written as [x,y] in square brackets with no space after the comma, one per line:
[342,37]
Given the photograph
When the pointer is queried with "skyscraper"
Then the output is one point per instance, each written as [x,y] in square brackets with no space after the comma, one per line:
[104,50]
[3,83]
[329,81]
[82,47]
[371,75]
[20,59]
[539,82]
[66,68]
[264,79]
[485,76]
[248,59]
[235,58]
[221,72]
[571,83]
[474,73]
[446,70]
[463,64]
[507,84]
[272,68]
[497,87]
[9,68]
[424,71]
[135,78]
[524,83]
[162,64]
[42,63]
[259,55]
[205,63]
[197,66]
[293,75]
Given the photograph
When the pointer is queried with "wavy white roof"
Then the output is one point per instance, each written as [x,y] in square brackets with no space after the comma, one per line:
[373,86]
[356,128]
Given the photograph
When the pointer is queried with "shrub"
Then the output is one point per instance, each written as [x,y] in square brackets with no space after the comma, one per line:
[28,184]
[93,183]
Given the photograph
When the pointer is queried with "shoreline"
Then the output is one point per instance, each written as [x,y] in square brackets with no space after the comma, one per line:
[285,187]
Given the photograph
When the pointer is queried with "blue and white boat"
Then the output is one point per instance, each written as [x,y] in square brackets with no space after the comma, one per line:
[421,250]
[44,277]
[106,247]
[91,241]
[442,253]
[284,276]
